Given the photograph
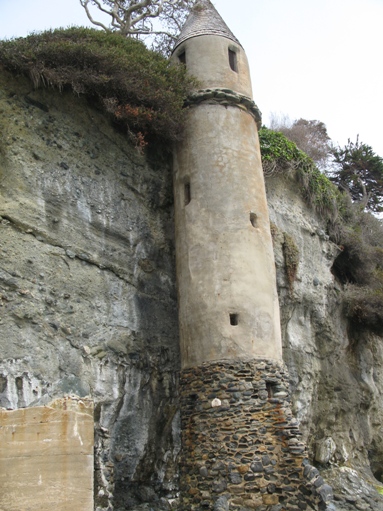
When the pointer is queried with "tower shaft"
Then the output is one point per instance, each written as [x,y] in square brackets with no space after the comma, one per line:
[241,446]
[228,305]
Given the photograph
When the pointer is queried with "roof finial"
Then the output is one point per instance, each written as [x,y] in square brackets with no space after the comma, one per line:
[204,19]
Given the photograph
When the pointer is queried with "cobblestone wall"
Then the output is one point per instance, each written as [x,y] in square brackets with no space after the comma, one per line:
[242,448]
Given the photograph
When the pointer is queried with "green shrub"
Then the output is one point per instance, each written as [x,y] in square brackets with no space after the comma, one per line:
[281,155]
[137,86]
[318,191]
[278,152]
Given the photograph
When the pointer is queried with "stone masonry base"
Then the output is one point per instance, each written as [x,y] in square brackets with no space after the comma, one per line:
[241,446]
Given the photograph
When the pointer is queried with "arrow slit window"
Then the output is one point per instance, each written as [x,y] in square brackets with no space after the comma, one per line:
[187,193]
[182,58]
[233,60]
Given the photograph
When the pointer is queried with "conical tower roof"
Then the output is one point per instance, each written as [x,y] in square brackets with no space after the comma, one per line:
[204,19]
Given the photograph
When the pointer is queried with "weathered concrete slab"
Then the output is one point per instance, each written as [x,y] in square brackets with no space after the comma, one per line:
[46,457]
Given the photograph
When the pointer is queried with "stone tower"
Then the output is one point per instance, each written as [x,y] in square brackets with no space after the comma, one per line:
[241,447]
[228,304]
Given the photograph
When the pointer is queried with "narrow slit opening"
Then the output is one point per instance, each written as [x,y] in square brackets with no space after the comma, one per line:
[253,219]
[271,389]
[233,60]
[187,193]
[234,319]
[182,58]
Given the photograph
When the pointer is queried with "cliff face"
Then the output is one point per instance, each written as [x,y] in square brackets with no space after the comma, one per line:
[335,373]
[87,284]
[88,304]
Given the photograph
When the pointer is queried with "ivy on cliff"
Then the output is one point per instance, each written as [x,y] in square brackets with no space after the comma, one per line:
[139,87]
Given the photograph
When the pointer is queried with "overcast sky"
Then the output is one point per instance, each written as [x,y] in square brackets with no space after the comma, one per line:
[316,59]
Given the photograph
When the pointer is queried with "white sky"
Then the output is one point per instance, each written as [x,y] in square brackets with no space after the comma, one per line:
[316,59]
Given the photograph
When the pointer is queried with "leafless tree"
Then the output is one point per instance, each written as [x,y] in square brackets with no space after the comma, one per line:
[310,136]
[160,19]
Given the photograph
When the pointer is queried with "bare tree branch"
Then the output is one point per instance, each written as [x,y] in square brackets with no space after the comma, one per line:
[84,3]
[137,18]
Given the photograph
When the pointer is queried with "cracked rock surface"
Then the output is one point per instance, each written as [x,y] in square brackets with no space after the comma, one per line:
[87,285]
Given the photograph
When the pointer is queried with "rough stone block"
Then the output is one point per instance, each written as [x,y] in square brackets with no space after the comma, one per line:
[46,457]
[270,500]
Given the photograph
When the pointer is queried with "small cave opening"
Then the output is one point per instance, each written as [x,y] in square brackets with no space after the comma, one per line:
[375,456]
[344,268]
[19,383]
[234,320]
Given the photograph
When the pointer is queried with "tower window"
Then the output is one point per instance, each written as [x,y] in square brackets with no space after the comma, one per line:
[187,193]
[182,57]
[270,389]
[253,219]
[234,319]
[233,60]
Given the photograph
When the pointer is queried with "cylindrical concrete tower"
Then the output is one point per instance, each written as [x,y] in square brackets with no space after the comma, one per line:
[241,447]
[228,304]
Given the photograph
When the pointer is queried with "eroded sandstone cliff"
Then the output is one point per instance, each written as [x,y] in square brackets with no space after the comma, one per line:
[88,299]
[88,304]
[335,372]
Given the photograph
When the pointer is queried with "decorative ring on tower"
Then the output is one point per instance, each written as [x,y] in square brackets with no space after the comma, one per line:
[225,97]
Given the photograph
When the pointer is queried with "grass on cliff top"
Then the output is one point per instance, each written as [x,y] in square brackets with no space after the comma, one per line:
[137,86]
[359,266]
[281,155]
